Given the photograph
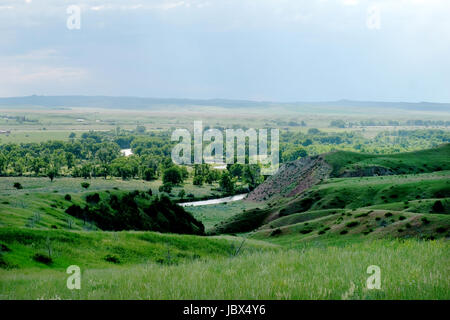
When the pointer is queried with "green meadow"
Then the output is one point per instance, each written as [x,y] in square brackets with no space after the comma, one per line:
[410,269]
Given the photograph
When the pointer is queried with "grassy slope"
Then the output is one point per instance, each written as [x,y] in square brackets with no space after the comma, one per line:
[312,273]
[359,225]
[212,215]
[73,185]
[89,249]
[351,193]
[423,161]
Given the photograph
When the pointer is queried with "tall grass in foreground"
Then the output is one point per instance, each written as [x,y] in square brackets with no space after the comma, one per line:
[409,270]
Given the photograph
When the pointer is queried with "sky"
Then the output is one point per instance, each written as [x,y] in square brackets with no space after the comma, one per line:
[270,50]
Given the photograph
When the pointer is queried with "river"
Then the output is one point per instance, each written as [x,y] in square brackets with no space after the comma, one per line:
[213,201]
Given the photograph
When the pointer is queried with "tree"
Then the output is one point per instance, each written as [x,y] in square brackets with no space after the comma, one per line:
[166,187]
[337,124]
[236,170]
[85,185]
[252,175]
[198,180]
[181,194]
[226,183]
[172,175]
[140,129]
[72,135]
[149,174]
[52,173]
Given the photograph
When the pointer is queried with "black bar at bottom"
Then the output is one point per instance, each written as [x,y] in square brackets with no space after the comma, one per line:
[212,309]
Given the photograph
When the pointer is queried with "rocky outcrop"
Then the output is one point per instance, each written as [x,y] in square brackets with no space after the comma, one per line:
[292,179]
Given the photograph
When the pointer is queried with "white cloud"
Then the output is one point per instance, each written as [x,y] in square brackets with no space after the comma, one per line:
[37,69]
[350,2]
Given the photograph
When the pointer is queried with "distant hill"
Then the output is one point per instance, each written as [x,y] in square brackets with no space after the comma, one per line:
[139,103]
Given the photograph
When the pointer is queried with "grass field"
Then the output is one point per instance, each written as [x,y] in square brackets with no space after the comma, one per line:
[331,272]
[73,185]
[41,203]
[211,215]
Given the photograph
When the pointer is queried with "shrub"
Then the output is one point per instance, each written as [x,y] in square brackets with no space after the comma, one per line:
[388,214]
[42,258]
[4,248]
[343,232]
[181,194]
[408,225]
[438,207]
[364,214]
[68,197]
[401,218]
[440,230]
[352,224]
[85,185]
[18,186]
[166,187]
[400,230]
[306,231]
[276,232]
[93,198]
[377,218]
[112,258]
[425,220]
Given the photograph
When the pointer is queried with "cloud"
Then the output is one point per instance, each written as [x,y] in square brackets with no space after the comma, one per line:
[37,69]
[350,2]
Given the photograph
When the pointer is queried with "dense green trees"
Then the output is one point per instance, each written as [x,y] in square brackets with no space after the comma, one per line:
[136,211]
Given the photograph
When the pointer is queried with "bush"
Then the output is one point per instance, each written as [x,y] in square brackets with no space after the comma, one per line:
[343,232]
[85,185]
[440,230]
[166,187]
[352,224]
[425,220]
[112,258]
[438,207]
[18,186]
[42,258]
[4,248]
[401,218]
[306,231]
[68,197]
[93,198]
[276,232]
[388,214]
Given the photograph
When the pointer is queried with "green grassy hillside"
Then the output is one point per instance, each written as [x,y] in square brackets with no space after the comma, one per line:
[418,192]
[409,270]
[22,247]
[359,225]
[351,163]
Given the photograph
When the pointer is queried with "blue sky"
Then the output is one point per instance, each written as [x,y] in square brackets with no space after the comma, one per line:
[278,50]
